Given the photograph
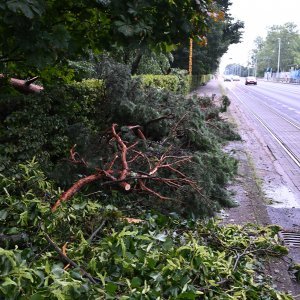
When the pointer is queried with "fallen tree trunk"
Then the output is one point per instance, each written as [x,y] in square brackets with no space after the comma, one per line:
[24,86]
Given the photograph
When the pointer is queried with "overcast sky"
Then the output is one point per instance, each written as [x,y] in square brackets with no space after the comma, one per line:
[258,16]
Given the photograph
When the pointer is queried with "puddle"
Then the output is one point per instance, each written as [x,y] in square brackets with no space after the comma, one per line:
[282,197]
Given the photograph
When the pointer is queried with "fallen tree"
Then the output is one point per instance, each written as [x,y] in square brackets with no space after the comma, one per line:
[121,168]
[24,86]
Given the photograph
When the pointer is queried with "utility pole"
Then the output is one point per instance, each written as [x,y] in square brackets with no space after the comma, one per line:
[278,61]
[191,57]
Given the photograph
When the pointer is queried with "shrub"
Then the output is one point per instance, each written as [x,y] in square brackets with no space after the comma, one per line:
[168,82]
[89,251]
[41,125]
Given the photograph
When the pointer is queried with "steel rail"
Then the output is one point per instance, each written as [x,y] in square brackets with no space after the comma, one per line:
[284,146]
[292,122]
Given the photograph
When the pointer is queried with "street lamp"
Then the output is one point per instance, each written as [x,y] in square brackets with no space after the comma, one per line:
[278,61]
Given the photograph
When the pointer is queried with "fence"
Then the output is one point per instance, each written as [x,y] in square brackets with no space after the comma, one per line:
[286,77]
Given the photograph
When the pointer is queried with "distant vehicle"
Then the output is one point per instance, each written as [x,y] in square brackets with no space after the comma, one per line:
[236,78]
[227,77]
[251,80]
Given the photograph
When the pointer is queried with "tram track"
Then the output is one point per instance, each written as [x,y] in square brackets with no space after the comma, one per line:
[276,117]
[275,111]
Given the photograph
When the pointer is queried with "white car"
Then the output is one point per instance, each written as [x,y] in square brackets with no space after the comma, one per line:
[251,80]
[227,77]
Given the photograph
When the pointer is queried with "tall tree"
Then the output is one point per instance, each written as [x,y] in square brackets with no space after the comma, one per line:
[266,51]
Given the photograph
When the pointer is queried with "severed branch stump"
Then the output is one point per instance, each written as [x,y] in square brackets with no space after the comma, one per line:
[24,86]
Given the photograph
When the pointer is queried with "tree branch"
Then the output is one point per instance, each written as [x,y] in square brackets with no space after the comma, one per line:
[75,188]
[24,86]
[123,167]
[93,235]
[70,261]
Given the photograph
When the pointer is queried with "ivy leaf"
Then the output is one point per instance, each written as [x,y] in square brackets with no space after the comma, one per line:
[3,214]
[8,281]
[136,282]
[161,237]
[37,296]
[111,288]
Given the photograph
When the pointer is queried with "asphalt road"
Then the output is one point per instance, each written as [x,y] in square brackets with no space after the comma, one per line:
[285,98]
[275,109]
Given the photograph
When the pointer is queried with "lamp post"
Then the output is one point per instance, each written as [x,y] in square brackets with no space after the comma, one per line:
[278,61]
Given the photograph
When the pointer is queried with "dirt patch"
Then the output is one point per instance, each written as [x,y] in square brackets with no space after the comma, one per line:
[257,169]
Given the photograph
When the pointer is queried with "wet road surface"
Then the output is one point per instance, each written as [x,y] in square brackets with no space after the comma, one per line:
[272,111]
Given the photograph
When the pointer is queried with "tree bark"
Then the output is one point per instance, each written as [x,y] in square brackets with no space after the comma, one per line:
[136,62]
[24,86]
[75,188]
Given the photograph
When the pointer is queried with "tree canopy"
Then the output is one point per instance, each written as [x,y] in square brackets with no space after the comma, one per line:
[219,36]
[40,33]
[266,50]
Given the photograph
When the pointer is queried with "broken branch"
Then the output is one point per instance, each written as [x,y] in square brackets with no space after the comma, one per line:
[24,86]
[75,188]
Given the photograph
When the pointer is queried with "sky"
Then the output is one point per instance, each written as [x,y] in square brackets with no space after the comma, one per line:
[258,16]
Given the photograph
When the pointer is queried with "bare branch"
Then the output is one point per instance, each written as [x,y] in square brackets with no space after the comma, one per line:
[120,170]
[169,116]
[70,261]
[144,188]
[96,232]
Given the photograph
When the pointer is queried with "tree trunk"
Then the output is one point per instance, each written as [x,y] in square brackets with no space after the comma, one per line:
[136,62]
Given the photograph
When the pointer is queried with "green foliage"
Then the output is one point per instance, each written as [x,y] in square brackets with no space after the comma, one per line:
[177,81]
[185,86]
[296,271]
[40,34]
[206,57]
[195,81]
[168,82]
[163,257]
[42,125]
[80,114]
[83,69]
[155,64]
